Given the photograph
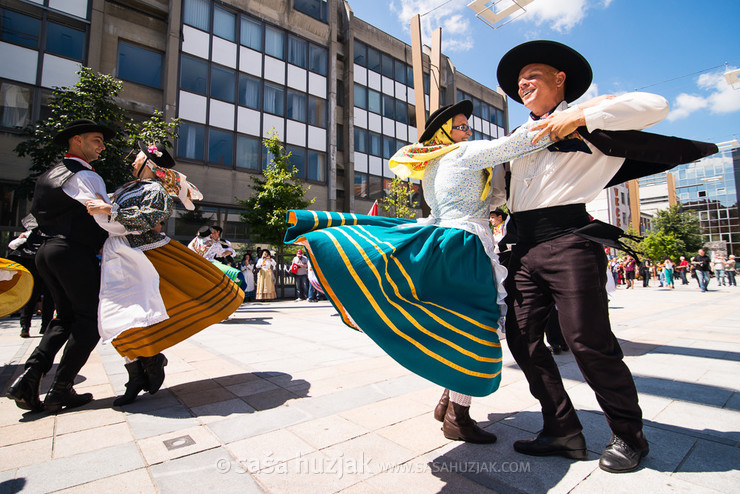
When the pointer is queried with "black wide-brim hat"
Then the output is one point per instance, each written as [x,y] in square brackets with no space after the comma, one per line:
[82,126]
[437,119]
[158,154]
[204,231]
[578,74]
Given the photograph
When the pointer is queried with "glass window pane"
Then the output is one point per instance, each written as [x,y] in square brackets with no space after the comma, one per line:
[375,146]
[224,23]
[360,53]
[389,147]
[317,59]
[386,65]
[193,74]
[139,65]
[220,147]
[484,112]
[360,96]
[316,166]
[190,143]
[223,82]
[275,42]
[400,72]
[360,140]
[389,106]
[251,34]
[250,91]
[296,109]
[197,13]
[340,137]
[64,41]
[248,152]
[360,185]
[373,101]
[409,76]
[297,51]
[375,187]
[15,111]
[20,29]
[317,112]
[298,160]
[373,59]
[274,99]
[401,111]
[315,8]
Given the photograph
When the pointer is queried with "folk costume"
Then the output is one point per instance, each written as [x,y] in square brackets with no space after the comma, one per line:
[16,286]
[154,292]
[212,250]
[67,262]
[266,279]
[559,259]
[429,291]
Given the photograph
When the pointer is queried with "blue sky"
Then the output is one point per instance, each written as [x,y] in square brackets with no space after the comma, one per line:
[678,48]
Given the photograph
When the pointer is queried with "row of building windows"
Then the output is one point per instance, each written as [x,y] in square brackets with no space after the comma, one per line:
[483,110]
[382,104]
[255,35]
[229,149]
[384,64]
[51,36]
[375,144]
[372,187]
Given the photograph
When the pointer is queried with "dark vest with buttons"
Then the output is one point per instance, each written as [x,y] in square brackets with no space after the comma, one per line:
[60,216]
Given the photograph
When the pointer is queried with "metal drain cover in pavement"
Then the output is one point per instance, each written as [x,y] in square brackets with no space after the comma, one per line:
[178,442]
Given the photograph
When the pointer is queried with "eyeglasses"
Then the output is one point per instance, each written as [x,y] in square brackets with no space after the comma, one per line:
[463,127]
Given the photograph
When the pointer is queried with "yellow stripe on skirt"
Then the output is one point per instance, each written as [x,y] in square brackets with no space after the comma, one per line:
[196,295]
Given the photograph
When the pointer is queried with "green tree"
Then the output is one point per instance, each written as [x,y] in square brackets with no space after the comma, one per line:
[683,224]
[93,97]
[273,196]
[659,245]
[397,200]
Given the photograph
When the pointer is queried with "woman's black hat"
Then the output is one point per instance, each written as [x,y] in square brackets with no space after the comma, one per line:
[158,154]
[437,119]
[564,58]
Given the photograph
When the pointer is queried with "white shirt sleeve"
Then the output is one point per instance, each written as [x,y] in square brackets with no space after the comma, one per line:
[630,111]
[87,185]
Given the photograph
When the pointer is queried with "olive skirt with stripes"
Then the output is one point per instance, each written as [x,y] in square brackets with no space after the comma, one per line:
[196,295]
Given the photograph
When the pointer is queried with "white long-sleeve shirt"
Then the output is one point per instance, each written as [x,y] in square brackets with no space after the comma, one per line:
[545,179]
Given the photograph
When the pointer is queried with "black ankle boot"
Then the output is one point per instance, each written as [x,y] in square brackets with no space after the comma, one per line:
[137,381]
[441,409]
[62,395]
[154,370]
[459,426]
[25,390]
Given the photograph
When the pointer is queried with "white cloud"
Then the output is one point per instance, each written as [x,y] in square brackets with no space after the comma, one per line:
[591,92]
[452,17]
[722,98]
[559,15]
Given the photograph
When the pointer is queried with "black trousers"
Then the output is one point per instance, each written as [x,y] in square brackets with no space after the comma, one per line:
[571,272]
[72,274]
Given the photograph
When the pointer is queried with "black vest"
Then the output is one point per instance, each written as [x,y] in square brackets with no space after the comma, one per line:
[60,216]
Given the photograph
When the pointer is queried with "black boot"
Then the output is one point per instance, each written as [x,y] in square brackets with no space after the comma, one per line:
[137,381]
[25,390]
[441,409]
[154,370]
[25,331]
[459,426]
[62,395]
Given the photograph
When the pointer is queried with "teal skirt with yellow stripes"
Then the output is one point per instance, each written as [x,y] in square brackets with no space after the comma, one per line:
[425,294]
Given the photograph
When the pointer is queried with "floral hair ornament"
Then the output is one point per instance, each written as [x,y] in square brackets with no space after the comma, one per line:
[153,149]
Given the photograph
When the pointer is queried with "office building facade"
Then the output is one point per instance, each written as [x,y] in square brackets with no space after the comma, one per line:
[337,91]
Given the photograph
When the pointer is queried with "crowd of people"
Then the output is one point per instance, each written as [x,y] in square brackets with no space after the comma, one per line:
[666,273]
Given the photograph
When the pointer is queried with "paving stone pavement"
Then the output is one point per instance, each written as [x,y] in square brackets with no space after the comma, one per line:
[282,397]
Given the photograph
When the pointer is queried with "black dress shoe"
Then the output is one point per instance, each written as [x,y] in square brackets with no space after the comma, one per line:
[62,395]
[25,390]
[619,457]
[573,447]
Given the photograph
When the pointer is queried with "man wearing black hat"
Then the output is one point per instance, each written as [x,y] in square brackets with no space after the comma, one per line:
[68,264]
[553,261]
